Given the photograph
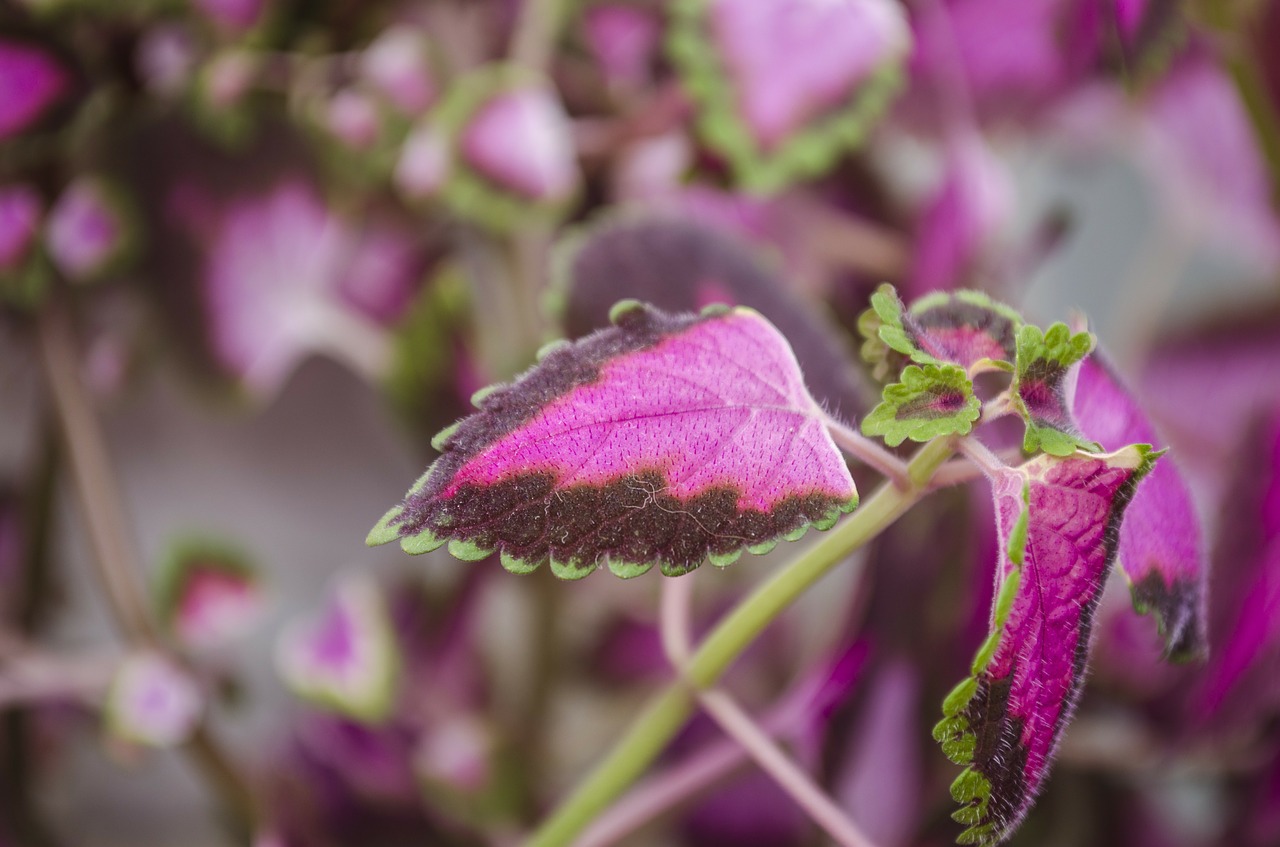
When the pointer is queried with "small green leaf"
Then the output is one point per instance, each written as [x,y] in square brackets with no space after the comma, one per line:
[929,402]
[1038,391]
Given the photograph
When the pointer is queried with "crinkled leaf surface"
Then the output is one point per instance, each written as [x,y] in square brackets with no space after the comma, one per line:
[666,439]
[1040,388]
[965,328]
[929,402]
[1058,521]
[1161,551]
[681,265]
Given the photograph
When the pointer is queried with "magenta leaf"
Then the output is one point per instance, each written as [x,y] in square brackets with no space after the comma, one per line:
[784,86]
[1058,521]
[965,328]
[32,82]
[208,594]
[20,211]
[666,439]
[1040,388]
[1161,552]
[680,265]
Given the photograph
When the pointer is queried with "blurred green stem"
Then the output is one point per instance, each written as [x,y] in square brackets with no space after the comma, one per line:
[116,560]
[670,708]
[535,33]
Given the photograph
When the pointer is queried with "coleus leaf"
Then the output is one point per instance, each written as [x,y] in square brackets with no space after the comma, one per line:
[665,439]
[1058,521]
[208,593]
[1040,388]
[784,86]
[679,264]
[152,701]
[929,402]
[1161,551]
[965,328]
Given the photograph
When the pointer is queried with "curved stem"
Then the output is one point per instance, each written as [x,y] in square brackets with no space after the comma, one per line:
[869,452]
[739,725]
[668,710]
[981,455]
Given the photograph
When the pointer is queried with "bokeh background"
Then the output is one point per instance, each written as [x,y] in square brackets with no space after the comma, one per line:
[255,253]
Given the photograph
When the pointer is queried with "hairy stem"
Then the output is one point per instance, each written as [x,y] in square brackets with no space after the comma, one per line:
[869,452]
[668,710]
[115,558]
[739,725]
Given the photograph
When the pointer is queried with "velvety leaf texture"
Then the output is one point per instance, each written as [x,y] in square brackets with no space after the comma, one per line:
[965,328]
[680,265]
[1058,521]
[1161,551]
[665,439]
[929,402]
[1040,388]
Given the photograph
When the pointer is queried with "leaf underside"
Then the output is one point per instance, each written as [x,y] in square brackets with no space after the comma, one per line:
[1058,521]
[665,439]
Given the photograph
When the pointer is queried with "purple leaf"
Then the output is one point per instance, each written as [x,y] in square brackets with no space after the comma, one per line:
[87,230]
[31,82]
[20,210]
[665,439]
[965,328]
[784,85]
[153,701]
[1161,551]
[346,658]
[680,265]
[1041,385]
[208,594]
[1058,520]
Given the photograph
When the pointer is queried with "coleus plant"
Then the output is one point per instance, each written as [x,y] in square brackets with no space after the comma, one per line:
[677,439]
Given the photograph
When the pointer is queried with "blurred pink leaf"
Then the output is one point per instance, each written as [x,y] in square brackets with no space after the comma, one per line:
[32,81]
[20,210]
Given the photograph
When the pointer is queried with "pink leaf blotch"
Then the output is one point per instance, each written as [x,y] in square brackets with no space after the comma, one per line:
[665,439]
[1161,552]
[1058,522]
[208,594]
[965,328]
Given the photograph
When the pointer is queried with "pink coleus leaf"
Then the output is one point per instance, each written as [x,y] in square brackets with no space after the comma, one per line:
[153,701]
[965,328]
[1057,520]
[666,439]
[208,594]
[1041,388]
[1161,552]
[345,658]
[20,210]
[783,86]
[32,82]
[679,264]
[88,229]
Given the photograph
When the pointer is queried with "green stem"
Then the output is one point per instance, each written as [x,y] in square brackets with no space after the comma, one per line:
[668,710]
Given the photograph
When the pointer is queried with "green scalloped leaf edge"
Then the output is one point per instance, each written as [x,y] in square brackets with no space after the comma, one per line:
[884,420]
[1061,347]
[468,194]
[809,152]
[954,733]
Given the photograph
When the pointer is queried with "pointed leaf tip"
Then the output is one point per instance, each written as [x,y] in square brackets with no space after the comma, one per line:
[608,455]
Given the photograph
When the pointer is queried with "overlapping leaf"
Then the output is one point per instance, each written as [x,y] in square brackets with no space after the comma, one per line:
[680,265]
[965,328]
[1058,521]
[1161,551]
[1040,388]
[666,439]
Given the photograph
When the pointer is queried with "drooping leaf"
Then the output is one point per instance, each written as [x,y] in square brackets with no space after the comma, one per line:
[1161,552]
[929,402]
[965,328]
[666,439]
[784,86]
[1040,388]
[681,265]
[1058,521]
[152,701]
[346,657]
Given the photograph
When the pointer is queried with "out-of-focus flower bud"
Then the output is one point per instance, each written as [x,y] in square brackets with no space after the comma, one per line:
[424,162]
[165,59]
[152,701]
[87,230]
[397,66]
[352,117]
